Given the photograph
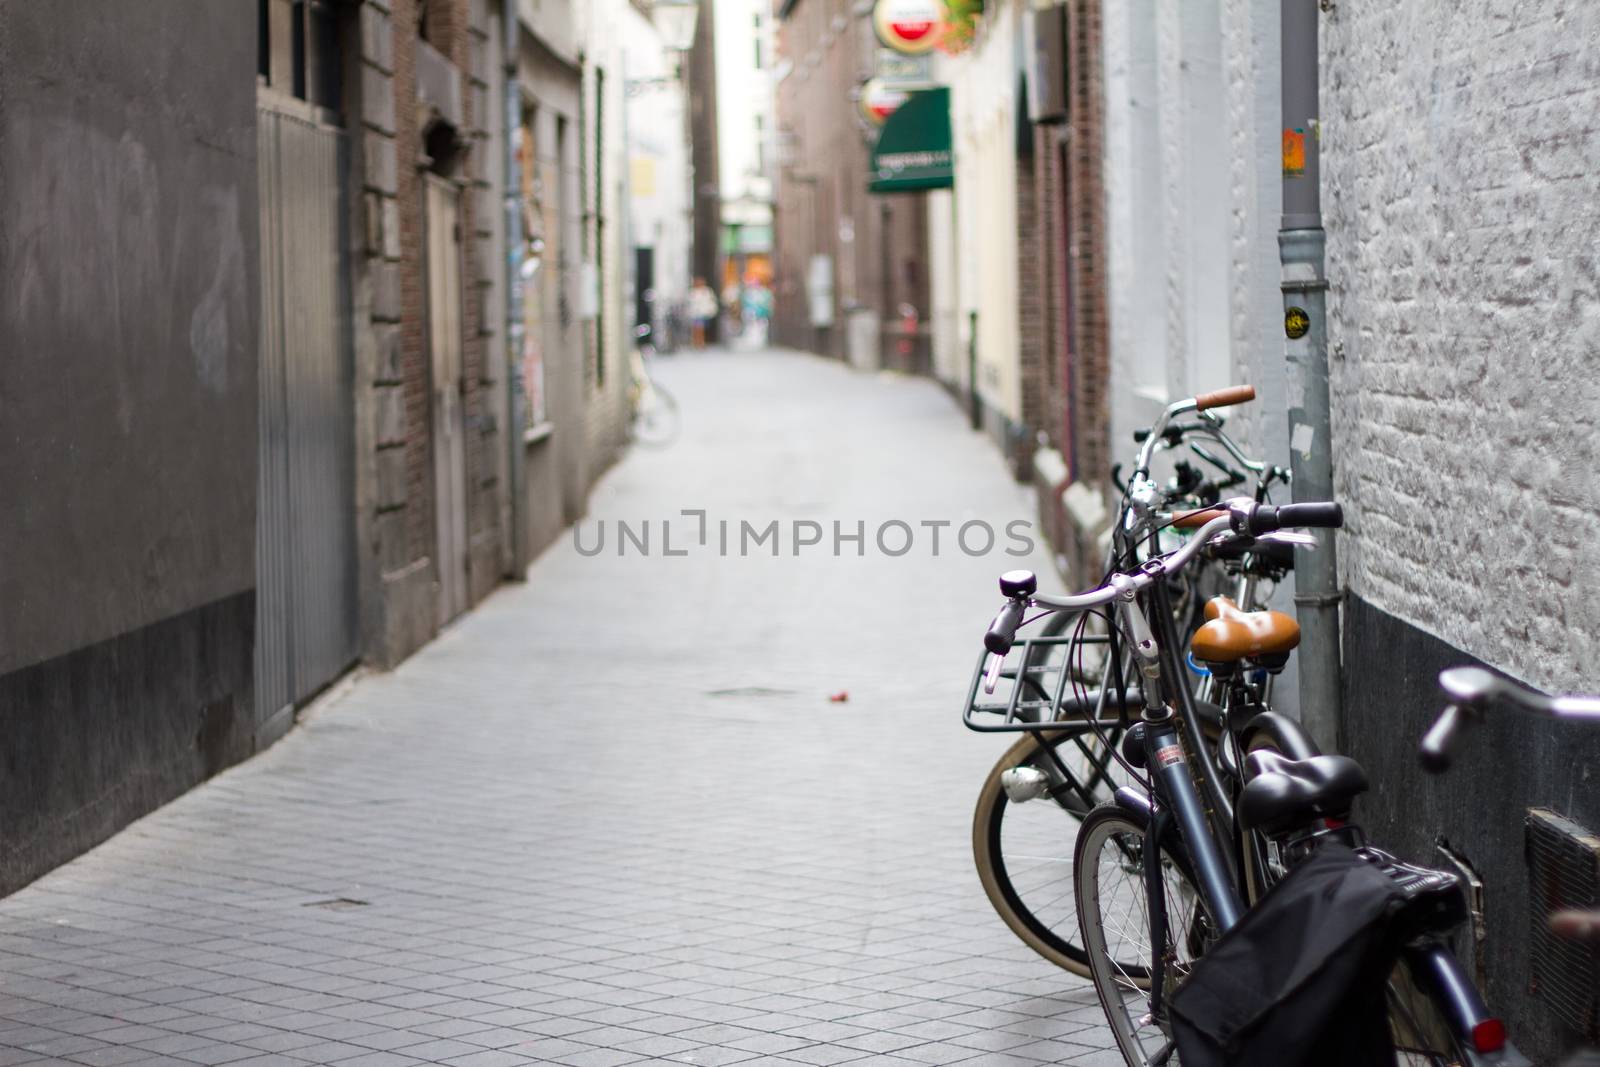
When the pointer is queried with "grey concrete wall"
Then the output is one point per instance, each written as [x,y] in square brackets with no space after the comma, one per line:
[128,323]
[128,318]
[1193,206]
[1508,765]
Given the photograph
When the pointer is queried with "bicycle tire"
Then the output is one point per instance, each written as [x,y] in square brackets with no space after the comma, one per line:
[1050,932]
[1124,993]
[656,423]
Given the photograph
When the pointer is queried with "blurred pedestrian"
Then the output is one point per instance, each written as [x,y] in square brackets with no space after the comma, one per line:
[757,311]
[702,310]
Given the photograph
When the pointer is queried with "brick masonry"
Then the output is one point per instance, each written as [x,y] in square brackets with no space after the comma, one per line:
[1459,198]
[1062,297]
[880,254]
[398,370]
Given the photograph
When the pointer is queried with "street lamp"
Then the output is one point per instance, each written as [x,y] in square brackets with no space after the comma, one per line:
[675,21]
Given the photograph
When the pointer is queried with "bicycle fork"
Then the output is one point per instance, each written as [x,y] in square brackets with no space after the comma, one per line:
[1174,785]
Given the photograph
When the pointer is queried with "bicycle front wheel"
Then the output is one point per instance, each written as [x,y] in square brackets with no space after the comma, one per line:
[1114,916]
[1023,851]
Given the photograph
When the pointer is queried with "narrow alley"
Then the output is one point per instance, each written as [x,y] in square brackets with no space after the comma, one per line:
[612,815]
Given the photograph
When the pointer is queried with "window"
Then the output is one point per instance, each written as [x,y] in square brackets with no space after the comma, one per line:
[300,50]
[760,58]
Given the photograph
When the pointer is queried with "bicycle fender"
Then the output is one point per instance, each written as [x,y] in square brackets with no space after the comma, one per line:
[1286,735]
[1136,804]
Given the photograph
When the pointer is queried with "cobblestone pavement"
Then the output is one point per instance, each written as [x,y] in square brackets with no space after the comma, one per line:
[610,816]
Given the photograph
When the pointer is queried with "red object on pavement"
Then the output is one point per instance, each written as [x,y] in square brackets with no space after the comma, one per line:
[840,697]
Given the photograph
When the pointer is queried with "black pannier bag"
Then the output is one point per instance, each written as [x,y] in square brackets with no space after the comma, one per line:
[1302,978]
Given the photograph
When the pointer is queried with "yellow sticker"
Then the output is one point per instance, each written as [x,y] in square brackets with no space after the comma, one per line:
[1294,152]
[1295,323]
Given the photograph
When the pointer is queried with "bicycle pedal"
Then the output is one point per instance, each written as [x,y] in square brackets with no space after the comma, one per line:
[1023,784]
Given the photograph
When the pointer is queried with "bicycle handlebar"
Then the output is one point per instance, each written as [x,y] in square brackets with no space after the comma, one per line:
[1003,630]
[1439,743]
[1240,518]
[1471,691]
[1264,518]
[1225,398]
[1237,394]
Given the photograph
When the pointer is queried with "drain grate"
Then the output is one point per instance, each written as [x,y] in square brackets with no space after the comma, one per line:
[1564,868]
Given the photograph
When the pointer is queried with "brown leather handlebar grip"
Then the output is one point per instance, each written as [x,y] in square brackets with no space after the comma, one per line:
[1223,398]
[1192,520]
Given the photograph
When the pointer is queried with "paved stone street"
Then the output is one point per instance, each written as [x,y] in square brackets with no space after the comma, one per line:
[612,815]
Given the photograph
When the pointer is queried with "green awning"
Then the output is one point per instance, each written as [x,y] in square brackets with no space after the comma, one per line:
[913,149]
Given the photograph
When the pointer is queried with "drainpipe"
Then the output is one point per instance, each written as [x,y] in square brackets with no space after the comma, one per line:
[1301,249]
[511,39]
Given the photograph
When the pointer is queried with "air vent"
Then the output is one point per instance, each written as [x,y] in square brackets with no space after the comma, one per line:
[1564,869]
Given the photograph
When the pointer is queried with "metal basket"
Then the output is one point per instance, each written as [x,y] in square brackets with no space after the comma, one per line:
[1035,691]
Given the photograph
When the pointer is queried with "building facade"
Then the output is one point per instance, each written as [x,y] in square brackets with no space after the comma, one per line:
[745,42]
[1017,258]
[305,409]
[849,262]
[1462,358]
[130,327]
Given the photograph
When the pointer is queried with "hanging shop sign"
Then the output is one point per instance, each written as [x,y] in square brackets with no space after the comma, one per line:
[879,100]
[914,150]
[896,68]
[909,26]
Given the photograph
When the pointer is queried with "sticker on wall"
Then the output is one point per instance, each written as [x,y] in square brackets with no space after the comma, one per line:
[1294,151]
[1296,322]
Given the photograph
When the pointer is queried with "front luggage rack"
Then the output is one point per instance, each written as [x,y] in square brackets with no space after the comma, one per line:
[1035,690]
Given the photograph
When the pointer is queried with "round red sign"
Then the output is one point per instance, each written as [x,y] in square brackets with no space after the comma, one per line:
[879,101]
[909,26]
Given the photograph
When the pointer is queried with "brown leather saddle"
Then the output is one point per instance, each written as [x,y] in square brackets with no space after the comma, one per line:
[1231,635]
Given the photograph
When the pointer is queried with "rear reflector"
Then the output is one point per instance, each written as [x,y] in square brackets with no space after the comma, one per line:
[1489,1036]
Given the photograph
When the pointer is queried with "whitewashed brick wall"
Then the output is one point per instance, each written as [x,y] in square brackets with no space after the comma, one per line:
[1194,198]
[1193,205]
[1461,156]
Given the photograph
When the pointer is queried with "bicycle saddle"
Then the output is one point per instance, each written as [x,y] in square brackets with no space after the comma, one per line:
[1233,635]
[1283,793]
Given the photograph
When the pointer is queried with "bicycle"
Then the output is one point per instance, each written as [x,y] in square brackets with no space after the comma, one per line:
[1181,851]
[1021,848]
[1472,691]
[654,420]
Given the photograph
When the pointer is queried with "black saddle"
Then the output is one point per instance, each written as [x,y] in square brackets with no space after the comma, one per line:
[1284,793]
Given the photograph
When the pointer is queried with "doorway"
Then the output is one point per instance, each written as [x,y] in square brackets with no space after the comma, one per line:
[449,427]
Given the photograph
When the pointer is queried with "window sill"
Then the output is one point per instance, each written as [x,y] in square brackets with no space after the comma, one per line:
[534,434]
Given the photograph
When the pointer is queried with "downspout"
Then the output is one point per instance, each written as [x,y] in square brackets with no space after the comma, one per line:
[511,39]
[1301,245]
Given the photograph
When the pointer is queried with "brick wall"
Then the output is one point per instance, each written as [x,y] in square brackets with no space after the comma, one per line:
[879,258]
[1085,253]
[1034,278]
[1460,200]
[396,363]
[413,434]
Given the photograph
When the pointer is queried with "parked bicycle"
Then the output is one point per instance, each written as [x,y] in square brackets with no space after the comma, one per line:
[1215,813]
[1472,693]
[1031,803]
[655,421]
